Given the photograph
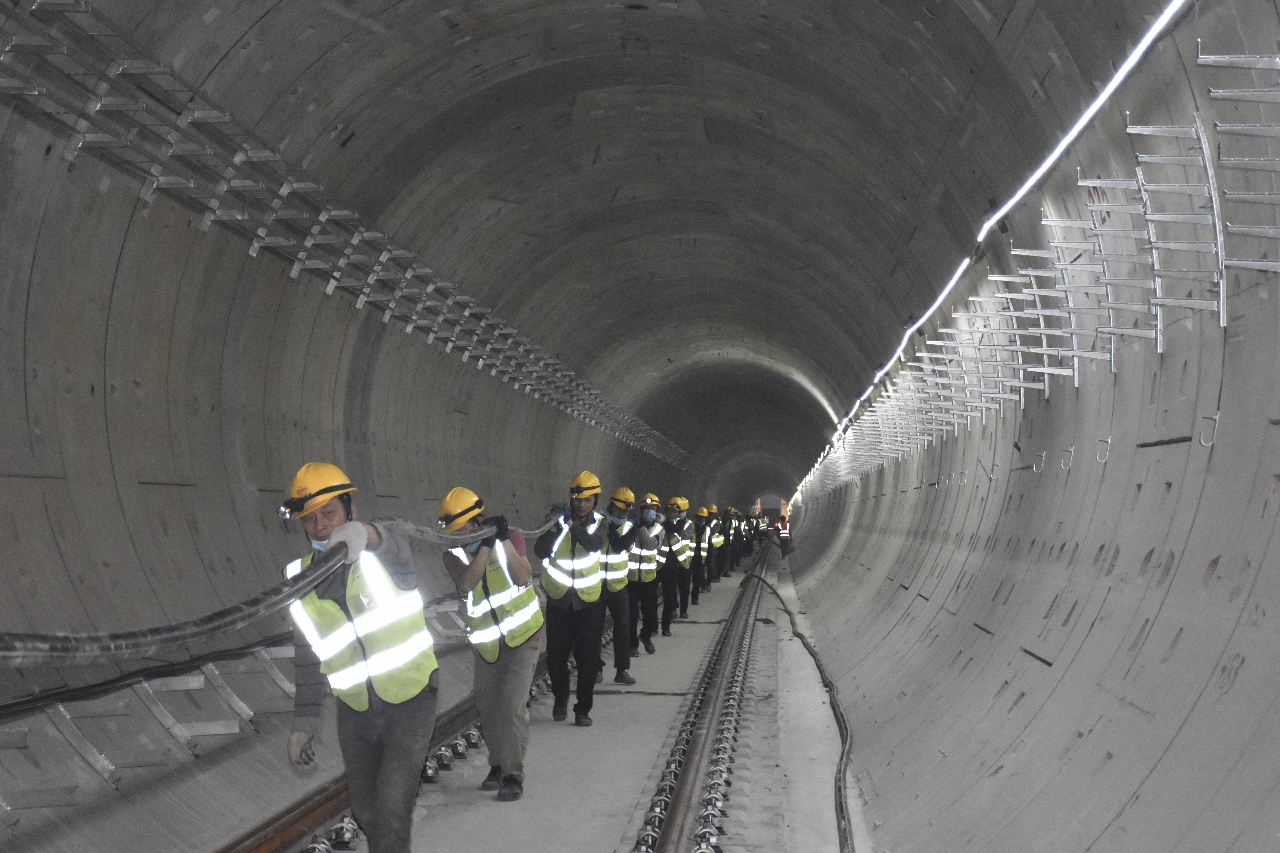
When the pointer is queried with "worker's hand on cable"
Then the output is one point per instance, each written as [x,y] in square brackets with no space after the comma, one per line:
[302,749]
[561,510]
[503,530]
[353,535]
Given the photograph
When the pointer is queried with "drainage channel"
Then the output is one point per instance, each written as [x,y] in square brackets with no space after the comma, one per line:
[687,811]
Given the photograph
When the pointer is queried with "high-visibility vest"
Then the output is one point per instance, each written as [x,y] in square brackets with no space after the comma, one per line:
[702,543]
[717,534]
[676,544]
[567,568]
[615,565]
[643,563]
[385,643]
[498,608]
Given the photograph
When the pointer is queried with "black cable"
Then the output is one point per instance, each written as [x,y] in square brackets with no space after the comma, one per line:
[843,820]
[23,650]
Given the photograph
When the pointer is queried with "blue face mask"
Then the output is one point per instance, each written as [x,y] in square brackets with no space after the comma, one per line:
[617,521]
[319,546]
[472,547]
[649,515]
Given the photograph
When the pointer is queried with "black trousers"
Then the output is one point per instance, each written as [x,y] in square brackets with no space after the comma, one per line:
[668,576]
[713,565]
[576,631]
[642,596]
[617,603]
[699,578]
[383,750]
[684,578]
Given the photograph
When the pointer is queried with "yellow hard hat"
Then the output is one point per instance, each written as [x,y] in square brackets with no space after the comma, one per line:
[702,512]
[315,484]
[623,498]
[651,500]
[679,503]
[458,507]
[713,509]
[584,485]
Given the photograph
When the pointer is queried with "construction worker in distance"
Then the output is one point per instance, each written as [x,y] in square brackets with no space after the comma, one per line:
[675,553]
[735,539]
[362,635]
[642,575]
[621,537]
[572,577]
[504,626]
[701,554]
[718,552]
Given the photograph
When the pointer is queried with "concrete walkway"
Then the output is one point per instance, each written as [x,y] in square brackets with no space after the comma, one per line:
[586,789]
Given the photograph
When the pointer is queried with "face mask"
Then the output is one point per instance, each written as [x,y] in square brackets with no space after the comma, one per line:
[679,516]
[650,515]
[472,547]
[319,546]
[617,521]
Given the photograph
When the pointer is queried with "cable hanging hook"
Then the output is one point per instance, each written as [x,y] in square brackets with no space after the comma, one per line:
[1099,456]
[1040,470]
[1070,460]
[1214,439]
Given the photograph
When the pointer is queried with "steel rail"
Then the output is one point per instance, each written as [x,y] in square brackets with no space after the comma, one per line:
[671,810]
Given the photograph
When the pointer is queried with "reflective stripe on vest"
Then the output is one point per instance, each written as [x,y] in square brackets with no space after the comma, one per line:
[702,543]
[677,545]
[615,565]
[509,611]
[643,564]
[385,643]
[717,534]
[564,570]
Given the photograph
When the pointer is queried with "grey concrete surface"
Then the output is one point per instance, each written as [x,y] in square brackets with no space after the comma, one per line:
[722,215]
[585,788]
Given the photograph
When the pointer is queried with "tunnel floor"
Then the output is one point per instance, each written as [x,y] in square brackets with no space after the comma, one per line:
[588,789]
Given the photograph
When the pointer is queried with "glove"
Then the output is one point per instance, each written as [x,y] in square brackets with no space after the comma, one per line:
[489,542]
[302,750]
[353,535]
[503,532]
[561,510]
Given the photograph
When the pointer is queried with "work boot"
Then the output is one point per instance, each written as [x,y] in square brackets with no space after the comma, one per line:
[493,781]
[648,647]
[635,649]
[623,678]
[560,710]
[512,789]
[684,614]
[706,588]
[666,632]
[581,719]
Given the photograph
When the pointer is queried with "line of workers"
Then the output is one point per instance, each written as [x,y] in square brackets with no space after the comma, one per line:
[362,633]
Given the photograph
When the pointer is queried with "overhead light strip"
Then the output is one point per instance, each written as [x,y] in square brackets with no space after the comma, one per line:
[1122,72]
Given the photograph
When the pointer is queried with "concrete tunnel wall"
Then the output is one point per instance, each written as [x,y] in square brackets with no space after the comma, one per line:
[722,216]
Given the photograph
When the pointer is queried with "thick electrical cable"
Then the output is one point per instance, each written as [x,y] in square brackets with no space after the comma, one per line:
[23,650]
[844,826]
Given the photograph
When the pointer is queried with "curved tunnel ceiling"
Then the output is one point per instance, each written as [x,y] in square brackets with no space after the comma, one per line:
[578,166]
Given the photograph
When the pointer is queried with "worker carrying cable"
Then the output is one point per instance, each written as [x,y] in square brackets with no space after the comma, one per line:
[504,626]
[572,576]
[719,553]
[362,633]
[699,566]
[642,576]
[675,553]
[621,536]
